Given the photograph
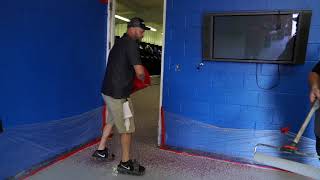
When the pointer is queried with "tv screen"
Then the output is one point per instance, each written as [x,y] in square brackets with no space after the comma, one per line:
[263,37]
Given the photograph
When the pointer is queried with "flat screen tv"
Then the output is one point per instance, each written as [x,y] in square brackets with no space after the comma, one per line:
[278,37]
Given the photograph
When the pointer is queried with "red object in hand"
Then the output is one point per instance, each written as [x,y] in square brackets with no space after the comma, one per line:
[138,84]
[284,130]
[104,1]
[288,147]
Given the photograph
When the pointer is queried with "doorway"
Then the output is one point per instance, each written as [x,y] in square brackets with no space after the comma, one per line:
[147,103]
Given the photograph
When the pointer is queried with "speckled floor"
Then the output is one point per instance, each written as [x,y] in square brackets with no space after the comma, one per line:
[159,164]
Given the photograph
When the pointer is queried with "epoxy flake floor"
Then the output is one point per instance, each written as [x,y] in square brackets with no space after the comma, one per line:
[160,164]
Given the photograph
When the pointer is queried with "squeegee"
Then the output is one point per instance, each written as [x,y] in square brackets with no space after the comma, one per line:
[291,149]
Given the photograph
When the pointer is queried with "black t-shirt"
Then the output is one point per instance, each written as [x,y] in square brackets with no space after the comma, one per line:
[119,75]
[316,68]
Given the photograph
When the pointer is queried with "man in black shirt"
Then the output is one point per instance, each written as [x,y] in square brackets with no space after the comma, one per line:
[123,64]
[314,81]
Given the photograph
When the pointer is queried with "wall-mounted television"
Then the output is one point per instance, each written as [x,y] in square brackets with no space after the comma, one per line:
[278,37]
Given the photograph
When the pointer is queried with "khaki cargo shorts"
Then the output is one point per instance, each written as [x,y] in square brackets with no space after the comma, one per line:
[114,114]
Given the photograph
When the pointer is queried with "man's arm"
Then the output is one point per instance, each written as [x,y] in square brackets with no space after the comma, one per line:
[134,58]
[314,82]
[139,69]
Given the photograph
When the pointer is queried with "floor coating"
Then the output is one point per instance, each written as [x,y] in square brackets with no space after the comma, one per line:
[160,164]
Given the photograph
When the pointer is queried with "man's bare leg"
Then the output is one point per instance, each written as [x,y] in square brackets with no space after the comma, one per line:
[106,132]
[125,144]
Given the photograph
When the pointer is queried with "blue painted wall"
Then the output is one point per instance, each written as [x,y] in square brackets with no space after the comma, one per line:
[226,94]
[52,59]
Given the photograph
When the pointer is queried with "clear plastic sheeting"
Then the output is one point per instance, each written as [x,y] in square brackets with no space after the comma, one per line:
[30,145]
[234,144]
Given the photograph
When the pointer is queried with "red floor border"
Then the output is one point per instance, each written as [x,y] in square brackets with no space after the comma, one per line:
[61,158]
[163,130]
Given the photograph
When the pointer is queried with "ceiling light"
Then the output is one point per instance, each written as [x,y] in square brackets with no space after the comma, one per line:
[122,18]
[128,20]
[151,28]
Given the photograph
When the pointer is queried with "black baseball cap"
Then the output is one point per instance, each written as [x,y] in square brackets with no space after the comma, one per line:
[137,22]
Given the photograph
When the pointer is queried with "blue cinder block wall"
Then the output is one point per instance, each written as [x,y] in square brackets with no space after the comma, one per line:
[226,94]
[52,59]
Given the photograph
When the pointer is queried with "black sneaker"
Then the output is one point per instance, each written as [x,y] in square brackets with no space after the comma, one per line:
[131,168]
[103,155]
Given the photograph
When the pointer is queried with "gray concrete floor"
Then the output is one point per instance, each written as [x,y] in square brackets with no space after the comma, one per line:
[159,164]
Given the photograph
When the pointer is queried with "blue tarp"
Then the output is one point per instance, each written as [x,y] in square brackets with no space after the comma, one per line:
[235,144]
[29,145]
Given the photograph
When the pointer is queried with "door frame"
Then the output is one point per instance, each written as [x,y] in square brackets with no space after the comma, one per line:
[110,26]
[161,130]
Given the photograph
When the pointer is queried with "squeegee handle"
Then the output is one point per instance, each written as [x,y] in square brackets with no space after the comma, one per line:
[315,106]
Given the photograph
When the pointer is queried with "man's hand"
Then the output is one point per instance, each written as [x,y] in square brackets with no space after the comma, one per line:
[314,94]
[139,69]
[314,86]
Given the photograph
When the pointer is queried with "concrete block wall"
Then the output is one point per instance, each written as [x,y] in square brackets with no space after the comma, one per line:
[234,95]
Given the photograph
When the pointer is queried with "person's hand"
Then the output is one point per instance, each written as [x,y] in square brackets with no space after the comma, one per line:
[314,94]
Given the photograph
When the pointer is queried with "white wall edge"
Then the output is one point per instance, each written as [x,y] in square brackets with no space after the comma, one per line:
[162,69]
